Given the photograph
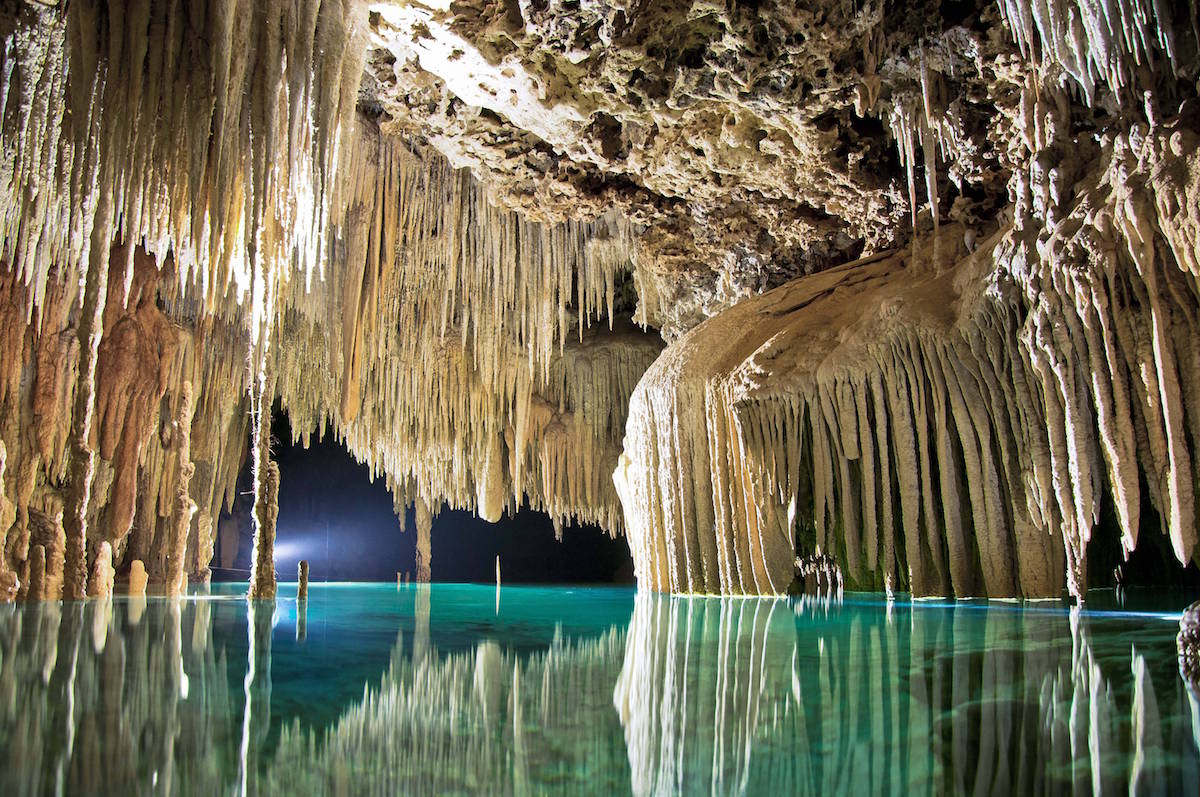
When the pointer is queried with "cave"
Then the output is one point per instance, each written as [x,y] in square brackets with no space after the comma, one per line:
[415,396]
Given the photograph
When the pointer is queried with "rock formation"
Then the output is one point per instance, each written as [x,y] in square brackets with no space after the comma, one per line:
[424,520]
[928,276]
[266,511]
[183,507]
[137,579]
[1188,646]
[100,582]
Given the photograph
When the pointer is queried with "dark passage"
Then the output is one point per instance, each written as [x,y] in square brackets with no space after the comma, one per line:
[333,515]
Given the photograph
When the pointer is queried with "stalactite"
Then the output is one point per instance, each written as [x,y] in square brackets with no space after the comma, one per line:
[424,543]
[1095,43]
[1050,376]
[262,222]
[448,356]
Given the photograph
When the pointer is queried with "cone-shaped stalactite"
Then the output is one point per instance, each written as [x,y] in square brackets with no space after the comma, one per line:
[424,543]
[262,227]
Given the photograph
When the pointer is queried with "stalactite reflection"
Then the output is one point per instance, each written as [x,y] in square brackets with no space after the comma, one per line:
[727,695]
[703,695]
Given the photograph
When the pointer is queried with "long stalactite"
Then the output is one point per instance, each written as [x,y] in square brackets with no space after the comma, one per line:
[943,422]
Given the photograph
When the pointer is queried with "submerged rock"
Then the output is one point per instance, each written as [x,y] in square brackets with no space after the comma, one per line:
[1188,643]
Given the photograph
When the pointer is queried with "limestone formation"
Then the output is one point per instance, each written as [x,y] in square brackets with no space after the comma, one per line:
[37,575]
[262,573]
[183,507]
[1188,643]
[1012,391]
[424,543]
[100,582]
[137,578]
[302,581]
[929,276]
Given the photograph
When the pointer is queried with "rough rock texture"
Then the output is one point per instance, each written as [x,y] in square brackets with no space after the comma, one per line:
[1188,644]
[183,506]
[100,582]
[137,579]
[266,512]
[424,522]
[944,423]
[456,234]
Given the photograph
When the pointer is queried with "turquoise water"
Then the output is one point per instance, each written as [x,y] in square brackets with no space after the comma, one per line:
[378,689]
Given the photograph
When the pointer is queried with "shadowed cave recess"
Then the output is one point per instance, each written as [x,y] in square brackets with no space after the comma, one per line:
[332,514]
[904,289]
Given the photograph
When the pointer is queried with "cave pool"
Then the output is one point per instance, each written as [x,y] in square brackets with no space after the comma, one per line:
[469,689]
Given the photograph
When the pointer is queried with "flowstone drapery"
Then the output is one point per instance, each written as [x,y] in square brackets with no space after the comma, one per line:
[943,423]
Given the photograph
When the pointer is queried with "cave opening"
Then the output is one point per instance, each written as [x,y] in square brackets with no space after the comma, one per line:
[333,514]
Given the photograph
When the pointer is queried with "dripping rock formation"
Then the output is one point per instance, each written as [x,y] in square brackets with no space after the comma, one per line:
[907,287]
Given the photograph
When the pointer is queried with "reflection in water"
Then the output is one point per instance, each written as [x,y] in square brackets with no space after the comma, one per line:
[96,701]
[745,696]
[692,696]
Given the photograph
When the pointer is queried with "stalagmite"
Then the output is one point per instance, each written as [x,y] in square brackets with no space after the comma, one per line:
[183,507]
[302,581]
[37,574]
[47,532]
[137,578]
[100,584]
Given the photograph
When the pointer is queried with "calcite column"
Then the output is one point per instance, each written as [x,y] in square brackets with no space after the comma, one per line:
[262,576]
[302,577]
[184,507]
[82,467]
[424,543]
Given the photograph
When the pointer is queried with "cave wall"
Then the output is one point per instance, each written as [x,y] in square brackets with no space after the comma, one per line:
[927,273]
[286,250]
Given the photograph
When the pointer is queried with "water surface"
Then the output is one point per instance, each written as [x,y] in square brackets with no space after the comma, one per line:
[378,689]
